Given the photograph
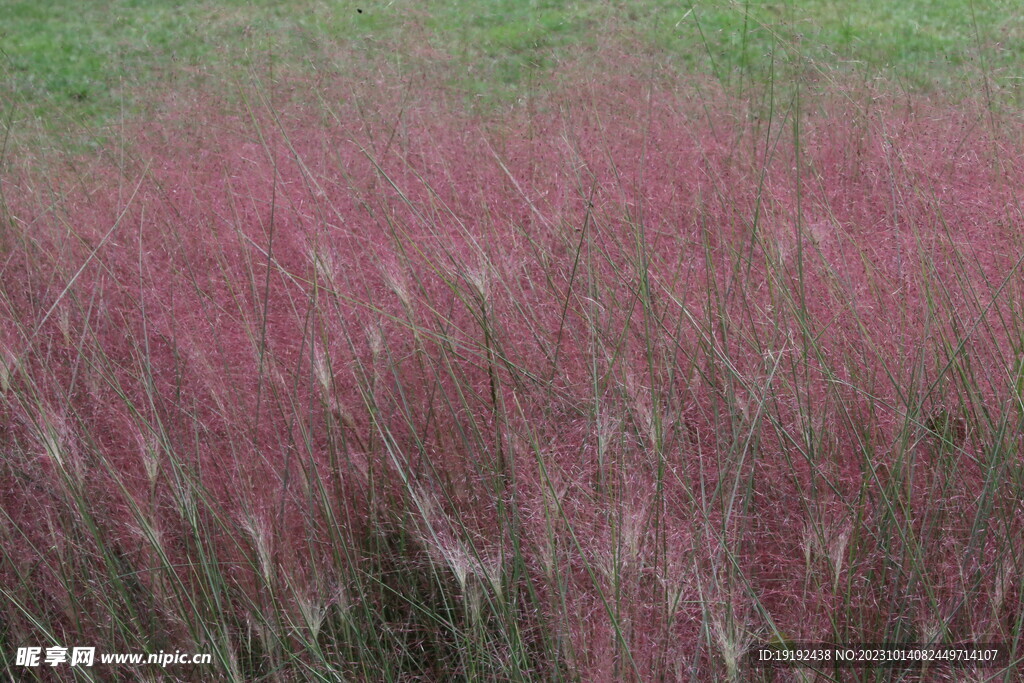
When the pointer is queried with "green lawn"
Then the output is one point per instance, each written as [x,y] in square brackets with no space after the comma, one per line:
[93,60]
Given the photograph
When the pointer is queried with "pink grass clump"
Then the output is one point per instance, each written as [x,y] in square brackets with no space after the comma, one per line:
[629,360]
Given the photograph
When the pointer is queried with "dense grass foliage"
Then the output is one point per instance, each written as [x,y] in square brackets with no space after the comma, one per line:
[609,387]
[512,340]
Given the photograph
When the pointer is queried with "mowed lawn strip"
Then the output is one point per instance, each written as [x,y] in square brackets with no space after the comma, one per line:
[92,62]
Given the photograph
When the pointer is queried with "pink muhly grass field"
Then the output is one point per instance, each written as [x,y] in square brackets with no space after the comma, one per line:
[614,387]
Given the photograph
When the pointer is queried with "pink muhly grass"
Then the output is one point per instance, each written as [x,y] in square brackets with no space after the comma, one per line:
[605,370]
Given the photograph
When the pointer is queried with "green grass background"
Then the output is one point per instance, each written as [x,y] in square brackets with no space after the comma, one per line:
[95,60]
